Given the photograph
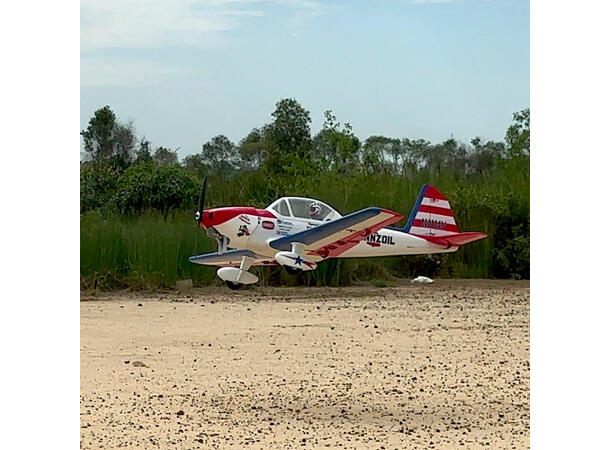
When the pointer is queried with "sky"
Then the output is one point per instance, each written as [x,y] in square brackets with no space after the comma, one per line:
[185,71]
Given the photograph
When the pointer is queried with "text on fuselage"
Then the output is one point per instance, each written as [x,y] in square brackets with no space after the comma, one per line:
[380,239]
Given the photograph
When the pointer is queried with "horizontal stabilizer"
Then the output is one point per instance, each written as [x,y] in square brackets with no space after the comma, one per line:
[457,239]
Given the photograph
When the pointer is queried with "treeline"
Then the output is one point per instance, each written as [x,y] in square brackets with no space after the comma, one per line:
[131,185]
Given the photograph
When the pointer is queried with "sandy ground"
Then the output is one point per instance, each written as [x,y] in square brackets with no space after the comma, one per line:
[437,366]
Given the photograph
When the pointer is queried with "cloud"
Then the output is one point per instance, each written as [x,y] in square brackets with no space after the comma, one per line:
[132,27]
[150,23]
[161,23]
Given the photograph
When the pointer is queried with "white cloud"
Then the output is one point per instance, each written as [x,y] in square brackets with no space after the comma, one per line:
[148,23]
[154,23]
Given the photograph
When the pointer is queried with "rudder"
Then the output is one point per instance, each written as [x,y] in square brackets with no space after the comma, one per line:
[431,214]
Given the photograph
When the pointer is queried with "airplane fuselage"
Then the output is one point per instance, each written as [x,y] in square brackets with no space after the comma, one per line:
[252,229]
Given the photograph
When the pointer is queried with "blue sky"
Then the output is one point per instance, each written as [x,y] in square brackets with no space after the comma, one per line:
[187,70]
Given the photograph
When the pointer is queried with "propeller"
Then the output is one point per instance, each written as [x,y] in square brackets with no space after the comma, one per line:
[221,240]
[199,213]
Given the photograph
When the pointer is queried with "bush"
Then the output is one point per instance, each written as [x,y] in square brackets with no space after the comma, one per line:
[511,253]
[98,184]
[147,186]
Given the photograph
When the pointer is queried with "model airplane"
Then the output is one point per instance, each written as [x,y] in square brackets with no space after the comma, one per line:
[297,233]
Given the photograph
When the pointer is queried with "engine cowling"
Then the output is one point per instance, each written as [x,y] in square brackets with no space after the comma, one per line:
[294,260]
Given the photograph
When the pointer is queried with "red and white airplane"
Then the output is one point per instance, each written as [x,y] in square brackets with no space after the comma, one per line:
[297,233]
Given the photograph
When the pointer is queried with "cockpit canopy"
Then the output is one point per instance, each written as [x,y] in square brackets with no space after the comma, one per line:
[304,208]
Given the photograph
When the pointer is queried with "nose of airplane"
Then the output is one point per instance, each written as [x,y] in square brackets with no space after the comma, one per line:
[217,216]
[207,220]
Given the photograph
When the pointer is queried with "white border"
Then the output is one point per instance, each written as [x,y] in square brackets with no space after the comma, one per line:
[40,192]
[570,315]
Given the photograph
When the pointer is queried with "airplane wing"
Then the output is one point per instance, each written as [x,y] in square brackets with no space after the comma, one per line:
[231,258]
[333,238]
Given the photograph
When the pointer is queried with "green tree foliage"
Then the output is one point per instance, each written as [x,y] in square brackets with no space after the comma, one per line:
[380,153]
[194,165]
[511,253]
[415,152]
[485,155]
[98,137]
[165,157]
[124,144]
[98,184]
[219,154]
[106,139]
[288,137]
[518,134]
[253,148]
[149,186]
[290,129]
[334,148]
[143,154]
[449,156]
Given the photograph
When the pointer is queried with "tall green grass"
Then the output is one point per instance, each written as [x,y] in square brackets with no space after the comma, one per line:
[140,252]
[151,251]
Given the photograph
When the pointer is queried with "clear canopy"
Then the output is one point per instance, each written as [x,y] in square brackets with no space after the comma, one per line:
[304,208]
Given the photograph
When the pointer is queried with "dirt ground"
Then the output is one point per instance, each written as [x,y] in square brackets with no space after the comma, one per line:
[436,366]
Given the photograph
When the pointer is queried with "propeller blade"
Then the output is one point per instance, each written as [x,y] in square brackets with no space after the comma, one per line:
[199,214]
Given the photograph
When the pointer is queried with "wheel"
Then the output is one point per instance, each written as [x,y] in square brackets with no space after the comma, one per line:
[233,286]
[293,270]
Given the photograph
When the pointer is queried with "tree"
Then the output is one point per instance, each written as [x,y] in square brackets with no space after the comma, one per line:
[253,148]
[98,137]
[448,155]
[106,139]
[415,152]
[194,165]
[288,137]
[377,151]
[165,157]
[290,129]
[518,134]
[124,142]
[323,149]
[485,155]
[219,154]
[143,154]
[333,148]
[454,155]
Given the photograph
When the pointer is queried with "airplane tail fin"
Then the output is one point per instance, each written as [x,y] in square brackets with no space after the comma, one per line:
[432,219]
[431,214]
